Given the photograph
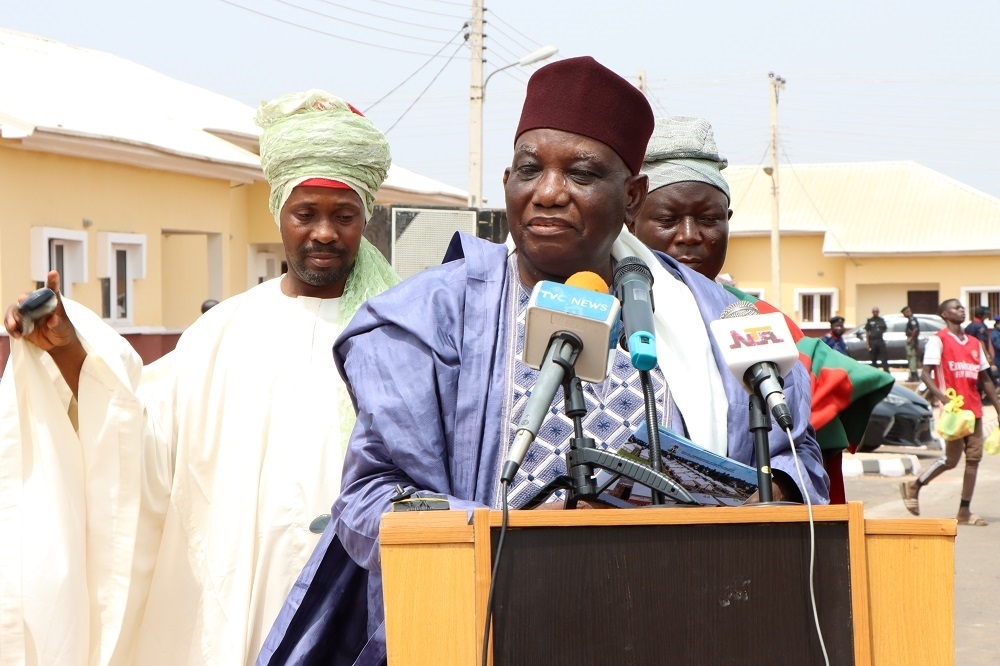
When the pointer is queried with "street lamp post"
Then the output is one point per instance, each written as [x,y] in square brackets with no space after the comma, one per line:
[777,83]
[477,95]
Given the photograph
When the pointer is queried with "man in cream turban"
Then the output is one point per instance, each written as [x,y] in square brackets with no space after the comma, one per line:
[180,504]
[686,214]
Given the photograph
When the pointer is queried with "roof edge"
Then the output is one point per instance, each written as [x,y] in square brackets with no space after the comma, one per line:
[134,154]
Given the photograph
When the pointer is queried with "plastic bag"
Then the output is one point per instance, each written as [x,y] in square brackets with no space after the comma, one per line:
[992,443]
[955,422]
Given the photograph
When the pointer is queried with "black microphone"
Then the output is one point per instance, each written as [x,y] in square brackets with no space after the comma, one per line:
[562,353]
[633,282]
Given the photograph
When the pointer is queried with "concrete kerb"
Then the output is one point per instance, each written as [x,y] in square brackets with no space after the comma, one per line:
[884,464]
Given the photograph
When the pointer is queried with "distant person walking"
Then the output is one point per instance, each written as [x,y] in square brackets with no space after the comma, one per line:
[979,329]
[954,360]
[835,338]
[995,340]
[875,339]
[912,342]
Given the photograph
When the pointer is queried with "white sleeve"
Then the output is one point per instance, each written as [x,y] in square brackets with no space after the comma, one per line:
[983,363]
[932,351]
[80,509]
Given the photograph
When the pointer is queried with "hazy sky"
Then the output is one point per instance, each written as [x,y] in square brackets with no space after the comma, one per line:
[867,80]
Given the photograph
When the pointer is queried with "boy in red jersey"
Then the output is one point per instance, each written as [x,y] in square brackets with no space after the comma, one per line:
[954,360]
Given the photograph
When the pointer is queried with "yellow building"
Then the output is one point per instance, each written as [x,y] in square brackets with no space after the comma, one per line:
[858,235]
[144,192]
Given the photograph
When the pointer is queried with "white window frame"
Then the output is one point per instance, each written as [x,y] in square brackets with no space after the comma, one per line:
[965,298]
[134,246]
[74,255]
[756,293]
[258,257]
[817,321]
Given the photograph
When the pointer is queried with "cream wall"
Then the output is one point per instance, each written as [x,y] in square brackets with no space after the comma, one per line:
[260,224]
[184,291]
[862,282]
[41,189]
[948,274]
[803,266]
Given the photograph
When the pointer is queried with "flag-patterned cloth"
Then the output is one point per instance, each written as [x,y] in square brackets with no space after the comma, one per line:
[844,393]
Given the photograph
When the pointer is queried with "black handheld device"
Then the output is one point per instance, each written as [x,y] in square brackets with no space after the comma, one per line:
[40,303]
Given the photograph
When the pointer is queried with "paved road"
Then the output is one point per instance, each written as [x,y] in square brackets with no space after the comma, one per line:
[977,549]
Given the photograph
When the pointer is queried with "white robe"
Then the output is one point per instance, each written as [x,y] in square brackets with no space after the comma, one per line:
[172,528]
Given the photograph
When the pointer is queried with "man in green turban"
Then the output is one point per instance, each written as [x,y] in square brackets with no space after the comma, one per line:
[190,493]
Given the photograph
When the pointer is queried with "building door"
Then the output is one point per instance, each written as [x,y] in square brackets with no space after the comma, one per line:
[923,302]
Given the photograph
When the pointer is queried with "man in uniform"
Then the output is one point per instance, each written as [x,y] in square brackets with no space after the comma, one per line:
[875,329]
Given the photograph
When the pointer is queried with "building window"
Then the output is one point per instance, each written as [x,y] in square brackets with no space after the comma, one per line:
[121,260]
[756,293]
[815,306]
[62,250]
[973,297]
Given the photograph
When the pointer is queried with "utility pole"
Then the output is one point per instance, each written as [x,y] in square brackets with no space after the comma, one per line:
[476,106]
[776,83]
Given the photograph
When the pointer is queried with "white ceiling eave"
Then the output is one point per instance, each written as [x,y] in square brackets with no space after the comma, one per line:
[907,253]
[14,128]
[138,155]
[247,142]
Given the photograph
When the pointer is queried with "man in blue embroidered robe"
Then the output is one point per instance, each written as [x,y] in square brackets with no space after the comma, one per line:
[433,365]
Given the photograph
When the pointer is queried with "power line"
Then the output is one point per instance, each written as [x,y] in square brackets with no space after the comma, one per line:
[763,157]
[517,76]
[497,17]
[417,70]
[450,58]
[384,18]
[494,45]
[323,32]
[816,208]
[491,26]
[656,102]
[450,2]
[419,11]
[355,23]
[880,135]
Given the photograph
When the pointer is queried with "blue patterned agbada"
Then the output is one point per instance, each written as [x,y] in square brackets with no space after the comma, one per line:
[425,365]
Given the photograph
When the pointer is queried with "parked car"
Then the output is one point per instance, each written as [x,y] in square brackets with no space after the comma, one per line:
[895,337]
[902,418]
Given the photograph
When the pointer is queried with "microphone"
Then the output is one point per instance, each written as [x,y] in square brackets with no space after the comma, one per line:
[583,307]
[759,351]
[633,283]
[572,326]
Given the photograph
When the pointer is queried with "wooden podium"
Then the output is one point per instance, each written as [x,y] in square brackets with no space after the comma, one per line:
[668,585]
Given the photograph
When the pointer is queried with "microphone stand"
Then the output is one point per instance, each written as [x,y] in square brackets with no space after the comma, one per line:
[583,456]
[653,428]
[760,426]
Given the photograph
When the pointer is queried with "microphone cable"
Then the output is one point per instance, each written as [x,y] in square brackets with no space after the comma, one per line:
[812,546]
[493,578]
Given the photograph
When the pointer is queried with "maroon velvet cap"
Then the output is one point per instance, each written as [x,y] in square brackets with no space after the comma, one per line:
[582,96]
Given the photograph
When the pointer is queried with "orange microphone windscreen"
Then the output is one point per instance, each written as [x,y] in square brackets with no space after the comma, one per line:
[588,280]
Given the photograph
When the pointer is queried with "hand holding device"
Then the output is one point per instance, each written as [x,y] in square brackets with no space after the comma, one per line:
[38,304]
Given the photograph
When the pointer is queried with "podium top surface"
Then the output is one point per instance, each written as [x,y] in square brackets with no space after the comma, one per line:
[456,526]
